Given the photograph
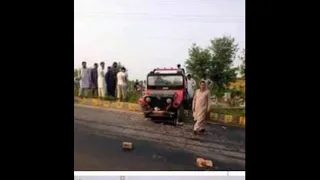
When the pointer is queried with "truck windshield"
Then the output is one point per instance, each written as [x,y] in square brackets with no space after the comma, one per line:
[165,80]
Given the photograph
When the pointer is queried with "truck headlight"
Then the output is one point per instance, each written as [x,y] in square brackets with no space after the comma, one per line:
[148,99]
[169,101]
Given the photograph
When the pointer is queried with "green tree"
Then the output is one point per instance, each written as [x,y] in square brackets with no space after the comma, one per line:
[119,66]
[242,67]
[214,62]
[224,51]
[198,62]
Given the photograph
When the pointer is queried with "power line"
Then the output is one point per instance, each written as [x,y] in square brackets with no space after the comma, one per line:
[137,14]
[174,18]
[137,36]
[209,1]
[190,1]
[170,38]
[179,38]
[187,20]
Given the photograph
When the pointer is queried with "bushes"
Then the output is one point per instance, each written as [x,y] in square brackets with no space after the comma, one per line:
[229,111]
[132,96]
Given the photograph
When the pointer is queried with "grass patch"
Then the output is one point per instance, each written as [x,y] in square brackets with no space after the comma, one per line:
[229,111]
[132,96]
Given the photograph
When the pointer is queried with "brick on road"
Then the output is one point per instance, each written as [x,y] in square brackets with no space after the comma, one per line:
[204,163]
[127,145]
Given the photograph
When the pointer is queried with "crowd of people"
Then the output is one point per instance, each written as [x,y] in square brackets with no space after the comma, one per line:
[111,81]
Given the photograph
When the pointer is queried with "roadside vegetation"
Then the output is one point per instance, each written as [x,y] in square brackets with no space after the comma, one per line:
[215,62]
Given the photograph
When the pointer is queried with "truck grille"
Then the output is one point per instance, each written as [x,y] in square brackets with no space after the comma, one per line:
[160,103]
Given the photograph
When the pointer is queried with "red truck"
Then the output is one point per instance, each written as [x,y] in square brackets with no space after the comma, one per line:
[166,95]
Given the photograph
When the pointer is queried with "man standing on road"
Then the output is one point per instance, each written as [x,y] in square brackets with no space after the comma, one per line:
[183,71]
[126,73]
[144,85]
[84,77]
[121,84]
[136,85]
[201,108]
[209,83]
[179,68]
[94,80]
[110,81]
[101,81]
[126,78]
[115,72]
[191,86]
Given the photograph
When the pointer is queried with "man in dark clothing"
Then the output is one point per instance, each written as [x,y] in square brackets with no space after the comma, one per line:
[115,71]
[110,81]
[179,67]
[94,80]
[115,67]
[136,85]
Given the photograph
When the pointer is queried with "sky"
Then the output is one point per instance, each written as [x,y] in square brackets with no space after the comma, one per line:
[162,178]
[145,34]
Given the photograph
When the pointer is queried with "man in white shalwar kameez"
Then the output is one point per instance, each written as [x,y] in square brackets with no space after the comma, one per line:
[191,86]
[101,81]
[84,77]
[122,78]
[201,107]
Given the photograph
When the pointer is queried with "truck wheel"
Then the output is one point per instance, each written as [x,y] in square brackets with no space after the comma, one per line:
[143,109]
[180,116]
[145,115]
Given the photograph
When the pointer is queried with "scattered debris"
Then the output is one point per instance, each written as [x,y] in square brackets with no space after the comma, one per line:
[180,123]
[127,145]
[223,127]
[200,162]
[159,157]
[208,163]
[156,156]
[204,163]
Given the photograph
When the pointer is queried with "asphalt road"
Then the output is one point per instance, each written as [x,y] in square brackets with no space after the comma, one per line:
[99,133]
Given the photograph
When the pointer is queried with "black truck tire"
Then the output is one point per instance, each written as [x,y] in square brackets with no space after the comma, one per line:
[143,109]
[180,115]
